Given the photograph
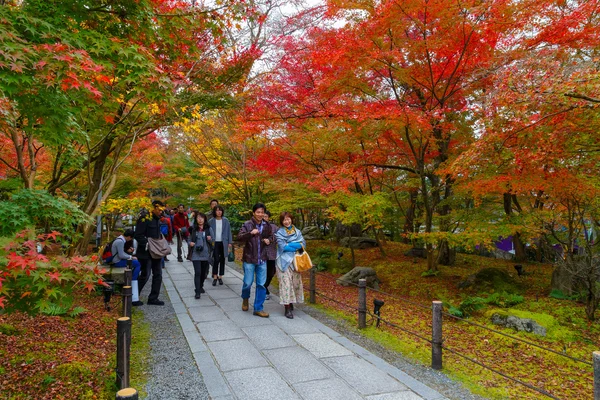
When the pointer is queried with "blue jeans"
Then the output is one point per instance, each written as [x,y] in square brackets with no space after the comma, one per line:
[261,276]
[135,268]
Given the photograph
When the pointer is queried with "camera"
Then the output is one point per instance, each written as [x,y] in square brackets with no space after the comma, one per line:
[199,248]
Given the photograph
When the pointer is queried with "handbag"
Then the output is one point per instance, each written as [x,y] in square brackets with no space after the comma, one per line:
[231,255]
[158,248]
[302,262]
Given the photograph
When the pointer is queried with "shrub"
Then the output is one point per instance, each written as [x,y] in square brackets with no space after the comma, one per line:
[35,283]
[473,304]
[40,209]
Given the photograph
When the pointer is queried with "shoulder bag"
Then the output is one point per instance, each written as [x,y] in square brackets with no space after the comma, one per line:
[302,262]
[158,248]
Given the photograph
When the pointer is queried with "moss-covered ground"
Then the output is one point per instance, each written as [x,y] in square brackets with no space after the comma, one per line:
[49,357]
[409,307]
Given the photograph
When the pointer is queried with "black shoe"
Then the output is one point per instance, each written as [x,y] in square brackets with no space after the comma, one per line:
[197,296]
[288,312]
[137,303]
[220,281]
[214,282]
[268,297]
[156,302]
[166,259]
[180,259]
[202,290]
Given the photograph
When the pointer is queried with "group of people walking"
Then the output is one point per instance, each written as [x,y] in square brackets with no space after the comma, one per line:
[269,250]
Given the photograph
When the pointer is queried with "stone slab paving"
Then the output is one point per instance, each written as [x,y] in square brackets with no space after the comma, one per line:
[244,357]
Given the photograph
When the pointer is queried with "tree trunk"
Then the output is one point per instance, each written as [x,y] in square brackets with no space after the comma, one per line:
[409,216]
[379,244]
[431,260]
[446,254]
[351,249]
[520,254]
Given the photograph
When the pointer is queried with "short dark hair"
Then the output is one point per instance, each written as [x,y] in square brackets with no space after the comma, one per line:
[268,213]
[257,206]
[218,207]
[180,205]
[285,214]
[158,203]
[129,233]
[215,200]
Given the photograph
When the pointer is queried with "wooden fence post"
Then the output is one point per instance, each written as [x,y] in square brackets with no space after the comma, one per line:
[362,303]
[126,293]
[127,394]
[436,336]
[313,286]
[123,351]
[127,276]
[596,375]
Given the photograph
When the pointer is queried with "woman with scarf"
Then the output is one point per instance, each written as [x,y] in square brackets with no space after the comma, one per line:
[289,241]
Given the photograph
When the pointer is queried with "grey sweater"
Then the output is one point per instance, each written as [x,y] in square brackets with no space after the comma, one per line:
[118,249]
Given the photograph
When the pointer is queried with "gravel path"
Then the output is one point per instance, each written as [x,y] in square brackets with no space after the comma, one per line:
[435,379]
[174,374]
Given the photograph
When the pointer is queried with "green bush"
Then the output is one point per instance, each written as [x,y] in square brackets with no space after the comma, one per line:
[41,210]
[473,304]
[560,295]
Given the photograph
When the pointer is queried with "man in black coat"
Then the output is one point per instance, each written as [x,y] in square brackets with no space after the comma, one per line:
[148,226]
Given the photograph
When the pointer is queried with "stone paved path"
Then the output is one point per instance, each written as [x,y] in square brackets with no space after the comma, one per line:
[242,356]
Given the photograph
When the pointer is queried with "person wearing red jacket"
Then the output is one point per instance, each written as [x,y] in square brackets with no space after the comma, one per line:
[181,226]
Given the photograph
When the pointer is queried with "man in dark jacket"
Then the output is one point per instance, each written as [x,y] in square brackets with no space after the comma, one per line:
[148,226]
[257,235]
[271,254]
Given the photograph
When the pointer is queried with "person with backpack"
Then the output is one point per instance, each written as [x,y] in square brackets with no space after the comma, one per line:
[122,249]
[166,230]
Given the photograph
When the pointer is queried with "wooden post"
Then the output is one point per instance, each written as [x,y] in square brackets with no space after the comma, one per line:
[436,336]
[362,303]
[313,286]
[126,293]
[596,375]
[127,394]
[123,351]
[127,276]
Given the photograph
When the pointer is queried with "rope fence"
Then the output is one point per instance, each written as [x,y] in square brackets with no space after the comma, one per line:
[437,340]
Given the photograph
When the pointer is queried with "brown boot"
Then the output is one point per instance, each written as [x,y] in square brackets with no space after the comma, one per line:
[288,312]
[245,305]
[262,314]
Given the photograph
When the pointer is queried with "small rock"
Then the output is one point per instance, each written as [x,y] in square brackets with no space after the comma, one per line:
[360,273]
[312,233]
[520,324]
[359,242]
[416,252]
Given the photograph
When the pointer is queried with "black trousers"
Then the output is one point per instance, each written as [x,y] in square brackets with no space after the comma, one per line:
[180,242]
[219,260]
[200,273]
[154,265]
[270,273]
